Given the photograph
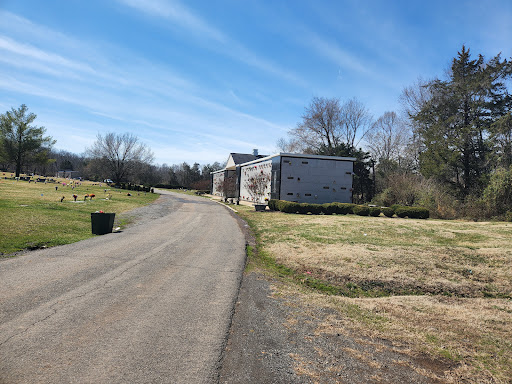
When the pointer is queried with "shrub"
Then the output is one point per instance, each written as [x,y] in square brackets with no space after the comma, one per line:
[169,186]
[315,209]
[361,210]
[441,203]
[280,204]
[388,212]
[288,206]
[401,188]
[304,208]
[329,208]
[508,216]
[413,212]
[343,208]
[272,204]
[498,194]
[394,207]
[474,208]
[421,213]
[374,211]
[402,211]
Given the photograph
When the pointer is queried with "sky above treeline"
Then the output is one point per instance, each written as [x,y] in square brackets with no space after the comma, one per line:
[196,80]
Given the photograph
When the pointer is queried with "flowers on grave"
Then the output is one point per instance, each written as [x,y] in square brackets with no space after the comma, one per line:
[75,196]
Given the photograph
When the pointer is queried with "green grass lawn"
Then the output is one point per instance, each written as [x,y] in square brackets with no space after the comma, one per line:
[33,216]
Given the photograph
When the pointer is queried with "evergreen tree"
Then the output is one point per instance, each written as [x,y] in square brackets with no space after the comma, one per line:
[22,143]
[454,123]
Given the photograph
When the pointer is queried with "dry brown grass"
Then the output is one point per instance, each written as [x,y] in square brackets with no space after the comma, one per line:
[461,272]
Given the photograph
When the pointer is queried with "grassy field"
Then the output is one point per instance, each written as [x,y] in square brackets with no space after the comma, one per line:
[442,288]
[33,216]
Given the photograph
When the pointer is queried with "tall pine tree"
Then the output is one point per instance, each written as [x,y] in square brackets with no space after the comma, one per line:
[21,143]
[455,122]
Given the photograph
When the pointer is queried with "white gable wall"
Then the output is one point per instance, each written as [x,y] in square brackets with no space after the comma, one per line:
[230,163]
[217,180]
[251,170]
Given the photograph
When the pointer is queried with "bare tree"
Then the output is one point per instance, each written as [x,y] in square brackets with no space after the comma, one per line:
[227,185]
[120,154]
[412,100]
[414,97]
[326,124]
[320,126]
[388,138]
[356,122]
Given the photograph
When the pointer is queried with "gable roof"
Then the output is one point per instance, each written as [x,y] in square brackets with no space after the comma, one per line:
[240,158]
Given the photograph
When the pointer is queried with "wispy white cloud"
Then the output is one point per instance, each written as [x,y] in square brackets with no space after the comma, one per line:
[333,52]
[178,14]
[29,52]
[202,30]
[132,94]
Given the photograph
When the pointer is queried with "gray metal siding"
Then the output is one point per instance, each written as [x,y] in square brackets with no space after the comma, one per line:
[276,178]
[308,180]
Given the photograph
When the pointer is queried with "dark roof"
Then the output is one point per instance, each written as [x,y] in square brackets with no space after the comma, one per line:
[240,158]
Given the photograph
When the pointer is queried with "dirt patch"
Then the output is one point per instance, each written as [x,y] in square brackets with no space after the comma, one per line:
[278,338]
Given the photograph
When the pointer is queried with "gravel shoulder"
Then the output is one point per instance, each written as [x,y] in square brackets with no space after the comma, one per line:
[278,339]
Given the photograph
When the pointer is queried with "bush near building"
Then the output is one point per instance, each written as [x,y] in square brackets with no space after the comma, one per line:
[346,208]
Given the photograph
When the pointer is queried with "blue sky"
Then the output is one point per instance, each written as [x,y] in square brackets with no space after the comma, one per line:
[195,80]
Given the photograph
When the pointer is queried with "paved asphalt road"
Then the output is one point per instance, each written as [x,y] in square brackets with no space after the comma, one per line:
[151,304]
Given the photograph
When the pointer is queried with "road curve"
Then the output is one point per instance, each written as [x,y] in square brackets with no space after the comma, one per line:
[151,304]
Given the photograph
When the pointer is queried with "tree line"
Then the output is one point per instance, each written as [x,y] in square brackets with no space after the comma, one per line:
[122,158]
[449,148]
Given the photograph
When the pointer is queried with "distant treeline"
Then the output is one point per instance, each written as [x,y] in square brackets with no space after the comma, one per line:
[177,175]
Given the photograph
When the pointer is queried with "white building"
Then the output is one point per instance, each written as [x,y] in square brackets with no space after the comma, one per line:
[224,181]
[293,177]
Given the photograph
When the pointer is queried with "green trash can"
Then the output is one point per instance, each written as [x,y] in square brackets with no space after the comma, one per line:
[102,223]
